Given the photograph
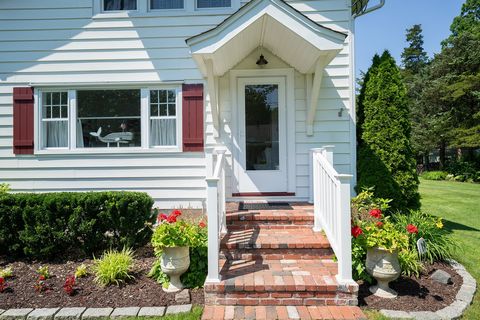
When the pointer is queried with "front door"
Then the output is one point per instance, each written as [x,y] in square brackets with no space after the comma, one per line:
[261,159]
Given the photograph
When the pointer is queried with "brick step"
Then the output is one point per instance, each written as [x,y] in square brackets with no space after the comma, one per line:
[264,238]
[243,225]
[282,312]
[272,217]
[279,282]
[276,254]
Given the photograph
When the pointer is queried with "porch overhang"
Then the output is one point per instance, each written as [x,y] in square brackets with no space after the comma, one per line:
[272,24]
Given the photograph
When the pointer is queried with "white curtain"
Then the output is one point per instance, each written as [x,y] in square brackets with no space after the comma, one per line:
[163,132]
[79,134]
[56,134]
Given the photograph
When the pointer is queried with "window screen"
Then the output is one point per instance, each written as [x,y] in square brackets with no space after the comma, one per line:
[118,5]
[166,4]
[213,3]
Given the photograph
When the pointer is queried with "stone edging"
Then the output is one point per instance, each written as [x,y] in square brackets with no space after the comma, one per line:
[454,311]
[90,313]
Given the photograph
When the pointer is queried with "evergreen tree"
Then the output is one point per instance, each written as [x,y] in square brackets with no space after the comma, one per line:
[414,57]
[386,160]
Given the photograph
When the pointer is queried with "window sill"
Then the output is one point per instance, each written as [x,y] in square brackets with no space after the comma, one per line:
[163,13]
[113,150]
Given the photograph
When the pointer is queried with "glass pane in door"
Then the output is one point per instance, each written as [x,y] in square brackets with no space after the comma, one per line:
[261,127]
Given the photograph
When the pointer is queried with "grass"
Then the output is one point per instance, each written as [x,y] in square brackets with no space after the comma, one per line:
[458,204]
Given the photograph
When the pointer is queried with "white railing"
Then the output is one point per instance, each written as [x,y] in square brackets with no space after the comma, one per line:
[215,207]
[331,198]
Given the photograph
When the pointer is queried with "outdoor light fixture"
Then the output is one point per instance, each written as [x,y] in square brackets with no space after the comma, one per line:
[261,61]
[340,113]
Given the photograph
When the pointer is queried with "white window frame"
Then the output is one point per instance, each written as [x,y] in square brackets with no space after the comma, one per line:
[72,120]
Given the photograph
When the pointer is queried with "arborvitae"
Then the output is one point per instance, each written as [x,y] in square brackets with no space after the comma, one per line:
[385,157]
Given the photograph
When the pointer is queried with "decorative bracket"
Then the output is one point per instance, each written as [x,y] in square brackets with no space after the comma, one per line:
[212,85]
[313,92]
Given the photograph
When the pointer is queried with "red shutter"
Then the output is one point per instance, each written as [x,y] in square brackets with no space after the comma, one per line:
[192,117]
[23,120]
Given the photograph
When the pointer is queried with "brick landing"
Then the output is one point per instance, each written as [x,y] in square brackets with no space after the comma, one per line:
[282,312]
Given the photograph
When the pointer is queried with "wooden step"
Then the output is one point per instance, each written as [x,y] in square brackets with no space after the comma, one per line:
[282,312]
[279,282]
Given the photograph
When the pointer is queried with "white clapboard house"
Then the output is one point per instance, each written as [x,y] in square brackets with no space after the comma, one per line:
[196,102]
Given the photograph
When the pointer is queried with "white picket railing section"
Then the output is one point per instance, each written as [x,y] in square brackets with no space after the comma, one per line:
[331,198]
[215,208]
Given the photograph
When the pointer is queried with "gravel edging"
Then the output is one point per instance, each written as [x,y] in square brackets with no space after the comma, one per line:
[454,311]
[90,313]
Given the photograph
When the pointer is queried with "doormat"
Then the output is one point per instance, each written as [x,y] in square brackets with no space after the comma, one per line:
[265,206]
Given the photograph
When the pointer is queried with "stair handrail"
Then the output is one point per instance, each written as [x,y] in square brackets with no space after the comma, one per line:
[331,199]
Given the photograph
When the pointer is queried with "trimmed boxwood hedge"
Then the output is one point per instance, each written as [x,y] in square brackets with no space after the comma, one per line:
[45,225]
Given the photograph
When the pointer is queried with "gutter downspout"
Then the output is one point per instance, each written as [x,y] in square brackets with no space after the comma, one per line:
[376,7]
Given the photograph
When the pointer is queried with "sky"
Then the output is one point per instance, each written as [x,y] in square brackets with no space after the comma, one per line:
[386,27]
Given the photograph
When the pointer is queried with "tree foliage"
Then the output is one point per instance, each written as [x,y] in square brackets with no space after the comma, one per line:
[385,157]
[414,57]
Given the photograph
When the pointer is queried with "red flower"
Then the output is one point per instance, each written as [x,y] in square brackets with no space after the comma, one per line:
[356,231]
[3,284]
[412,229]
[379,224]
[161,217]
[68,287]
[41,278]
[177,213]
[171,218]
[376,213]
[202,224]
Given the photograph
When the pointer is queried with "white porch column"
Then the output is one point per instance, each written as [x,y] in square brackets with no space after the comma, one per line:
[315,188]
[213,235]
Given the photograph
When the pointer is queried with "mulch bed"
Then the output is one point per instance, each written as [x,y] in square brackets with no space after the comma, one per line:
[139,292]
[415,294]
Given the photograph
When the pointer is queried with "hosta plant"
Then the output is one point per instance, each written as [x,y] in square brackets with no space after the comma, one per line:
[114,267]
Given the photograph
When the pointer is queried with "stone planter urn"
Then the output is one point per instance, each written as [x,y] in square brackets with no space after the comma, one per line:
[383,265]
[174,262]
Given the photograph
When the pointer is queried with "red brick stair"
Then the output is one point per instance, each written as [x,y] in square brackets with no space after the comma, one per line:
[271,259]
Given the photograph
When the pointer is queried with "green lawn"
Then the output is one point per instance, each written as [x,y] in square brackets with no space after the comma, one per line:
[459,204]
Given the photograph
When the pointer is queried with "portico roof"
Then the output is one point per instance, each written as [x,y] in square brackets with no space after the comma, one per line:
[272,24]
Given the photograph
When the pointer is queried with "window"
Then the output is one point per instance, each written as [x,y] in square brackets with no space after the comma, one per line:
[54,117]
[213,3]
[166,4]
[163,117]
[107,118]
[119,5]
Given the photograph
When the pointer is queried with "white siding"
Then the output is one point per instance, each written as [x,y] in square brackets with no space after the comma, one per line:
[59,41]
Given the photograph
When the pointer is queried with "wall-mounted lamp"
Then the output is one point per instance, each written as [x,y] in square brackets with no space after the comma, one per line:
[261,61]
[340,113]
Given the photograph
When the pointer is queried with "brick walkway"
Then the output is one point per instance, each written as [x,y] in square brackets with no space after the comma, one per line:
[273,266]
[282,312]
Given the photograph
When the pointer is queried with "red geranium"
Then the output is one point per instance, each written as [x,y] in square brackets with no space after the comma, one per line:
[356,231]
[376,213]
[412,229]
[172,218]
[202,224]
[3,284]
[161,217]
[379,224]
[176,213]
[69,285]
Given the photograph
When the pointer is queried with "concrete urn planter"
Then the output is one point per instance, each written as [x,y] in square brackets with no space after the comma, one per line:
[384,267]
[174,262]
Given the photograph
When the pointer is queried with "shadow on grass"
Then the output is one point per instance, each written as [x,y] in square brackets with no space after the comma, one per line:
[450,225]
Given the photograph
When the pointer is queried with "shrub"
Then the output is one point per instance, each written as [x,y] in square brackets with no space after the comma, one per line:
[4,187]
[385,156]
[434,175]
[168,233]
[439,245]
[114,267]
[45,225]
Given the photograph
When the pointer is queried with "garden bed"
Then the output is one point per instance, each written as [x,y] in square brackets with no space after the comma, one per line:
[415,294]
[139,292]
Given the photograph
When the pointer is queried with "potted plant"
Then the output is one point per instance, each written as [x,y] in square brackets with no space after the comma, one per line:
[383,242]
[171,240]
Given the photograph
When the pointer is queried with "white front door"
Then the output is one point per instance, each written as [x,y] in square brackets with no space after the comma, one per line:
[260,162]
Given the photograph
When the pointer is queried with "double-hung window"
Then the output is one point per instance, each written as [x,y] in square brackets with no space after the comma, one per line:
[201,4]
[166,4]
[54,119]
[112,119]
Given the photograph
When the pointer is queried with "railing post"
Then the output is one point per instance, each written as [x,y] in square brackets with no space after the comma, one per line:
[213,236]
[328,153]
[315,188]
[344,255]
[221,205]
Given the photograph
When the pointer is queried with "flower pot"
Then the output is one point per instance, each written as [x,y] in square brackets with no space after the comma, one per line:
[383,265]
[174,262]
